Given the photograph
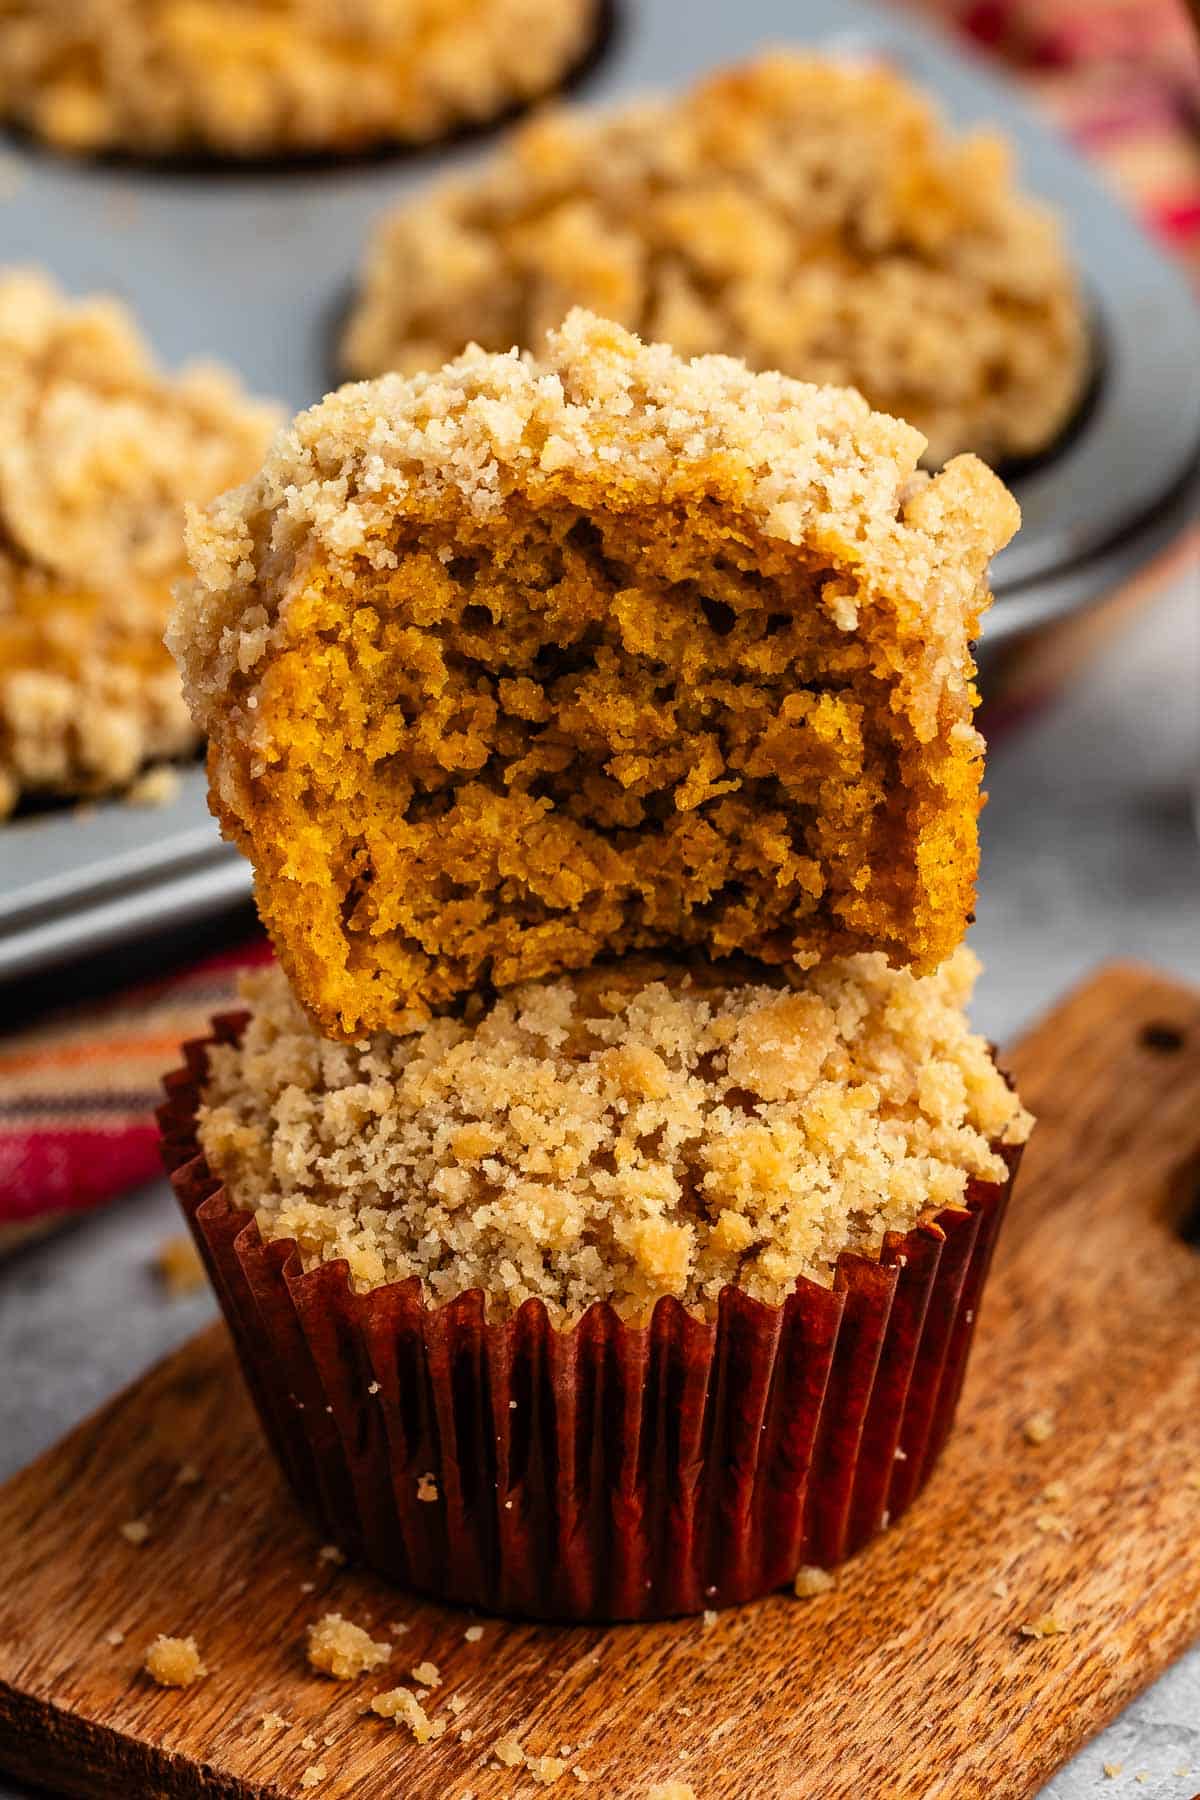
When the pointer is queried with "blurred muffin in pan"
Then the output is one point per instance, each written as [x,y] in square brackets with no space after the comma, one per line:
[263,78]
[527,662]
[100,453]
[807,215]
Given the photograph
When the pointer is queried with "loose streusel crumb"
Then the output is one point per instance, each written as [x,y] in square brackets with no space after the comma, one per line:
[427,1675]
[114,1638]
[639,1130]
[523,662]
[806,215]
[100,453]
[308,1743]
[267,77]
[1112,1770]
[313,1776]
[338,1648]
[272,1721]
[157,787]
[174,1662]
[812,1581]
[473,1633]
[404,1708]
[427,1488]
[709,1618]
[1049,1625]
[329,1553]
[1038,1428]
[546,1770]
[178,1266]
[135,1531]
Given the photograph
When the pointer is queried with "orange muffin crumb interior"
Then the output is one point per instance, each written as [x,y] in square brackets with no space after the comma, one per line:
[643,1129]
[525,662]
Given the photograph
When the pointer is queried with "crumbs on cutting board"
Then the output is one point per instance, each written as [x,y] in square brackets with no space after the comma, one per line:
[1038,1428]
[338,1647]
[178,1266]
[135,1531]
[1048,1625]
[174,1662]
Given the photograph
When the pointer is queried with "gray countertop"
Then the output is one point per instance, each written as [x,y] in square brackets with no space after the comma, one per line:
[1090,851]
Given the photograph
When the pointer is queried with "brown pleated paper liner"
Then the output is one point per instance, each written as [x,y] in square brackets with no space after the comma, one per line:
[604,1471]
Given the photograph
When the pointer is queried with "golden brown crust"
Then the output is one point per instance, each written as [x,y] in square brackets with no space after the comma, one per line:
[646,1128]
[99,452]
[265,77]
[523,662]
[805,215]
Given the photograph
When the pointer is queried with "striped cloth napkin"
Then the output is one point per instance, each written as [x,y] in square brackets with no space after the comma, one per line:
[77,1089]
[1120,78]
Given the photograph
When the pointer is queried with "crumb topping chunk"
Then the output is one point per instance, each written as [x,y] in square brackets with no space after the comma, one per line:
[528,661]
[643,1129]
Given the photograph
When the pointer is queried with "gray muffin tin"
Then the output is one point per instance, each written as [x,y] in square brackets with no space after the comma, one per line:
[255,267]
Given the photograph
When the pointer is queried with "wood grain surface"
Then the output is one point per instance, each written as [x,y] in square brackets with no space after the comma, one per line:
[912,1679]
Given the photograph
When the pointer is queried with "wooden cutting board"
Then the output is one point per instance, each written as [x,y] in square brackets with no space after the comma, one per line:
[912,1679]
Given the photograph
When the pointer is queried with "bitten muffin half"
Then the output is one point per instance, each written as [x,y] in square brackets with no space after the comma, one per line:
[99,453]
[254,78]
[807,215]
[524,662]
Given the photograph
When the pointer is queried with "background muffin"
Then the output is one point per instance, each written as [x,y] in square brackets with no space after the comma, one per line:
[805,215]
[261,77]
[99,455]
[525,662]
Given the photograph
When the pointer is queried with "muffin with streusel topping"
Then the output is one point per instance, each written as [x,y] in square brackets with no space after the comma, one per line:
[601,1188]
[100,453]
[551,1212]
[806,214]
[268,78]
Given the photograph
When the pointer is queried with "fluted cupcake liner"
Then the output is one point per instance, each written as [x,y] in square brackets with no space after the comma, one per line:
[603,1471]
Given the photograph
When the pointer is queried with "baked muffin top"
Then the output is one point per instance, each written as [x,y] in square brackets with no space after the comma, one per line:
[642,1129]
[99,453]
[255,78]
[524,662]
[805,214]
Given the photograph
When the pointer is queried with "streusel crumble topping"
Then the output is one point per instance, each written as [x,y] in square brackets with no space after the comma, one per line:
[639,1130]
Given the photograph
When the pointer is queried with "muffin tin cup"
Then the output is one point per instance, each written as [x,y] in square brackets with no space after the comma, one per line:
[605,1471]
